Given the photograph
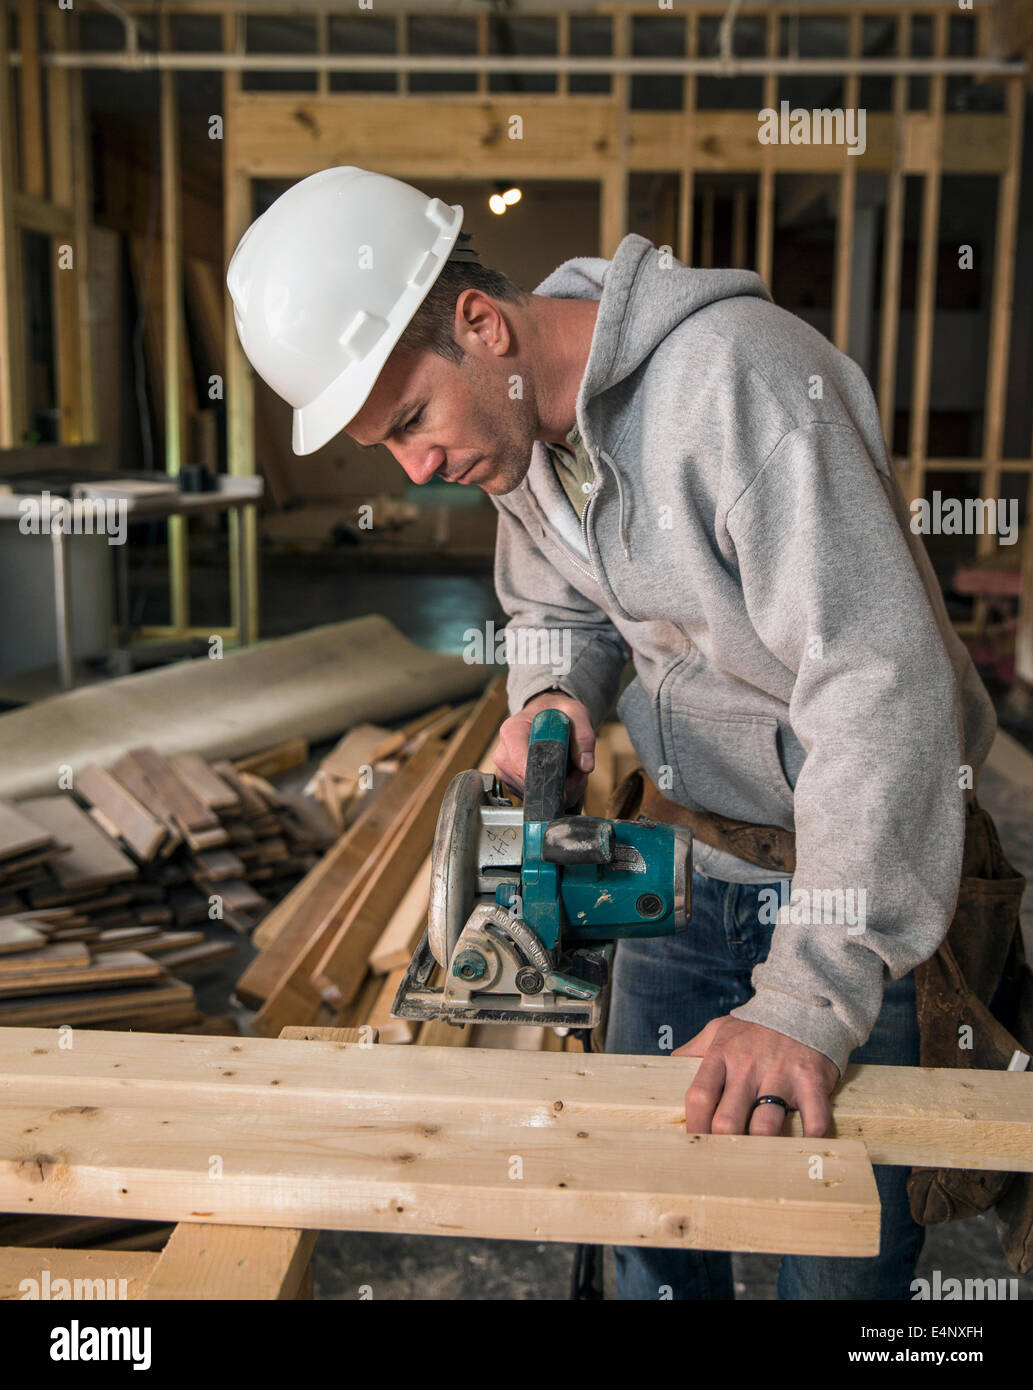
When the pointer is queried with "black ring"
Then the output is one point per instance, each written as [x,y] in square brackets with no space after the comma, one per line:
[771,1100]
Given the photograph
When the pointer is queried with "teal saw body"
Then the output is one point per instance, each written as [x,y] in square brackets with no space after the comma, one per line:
[526,904]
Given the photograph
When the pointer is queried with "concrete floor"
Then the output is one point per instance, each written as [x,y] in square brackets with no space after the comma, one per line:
[434,609]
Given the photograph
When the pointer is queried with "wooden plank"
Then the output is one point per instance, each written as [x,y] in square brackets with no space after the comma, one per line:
[32,1271]
[46,960]
[405,926]
[205,783]
[217,1263]
[104,1006]
[391,1030]
[932,1117]
[93,860]
[189,812]
[18,834]
[191,957]
[18,935]
[338,972]
[134,823]
[138,1146]
[282,758]
[291,926]
[57,974]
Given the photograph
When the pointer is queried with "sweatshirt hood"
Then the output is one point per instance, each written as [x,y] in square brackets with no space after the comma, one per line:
[643,295]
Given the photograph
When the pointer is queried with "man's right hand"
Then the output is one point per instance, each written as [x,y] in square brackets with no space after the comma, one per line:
[511,754]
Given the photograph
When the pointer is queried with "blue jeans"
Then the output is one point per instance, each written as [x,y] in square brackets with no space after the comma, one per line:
[684,981]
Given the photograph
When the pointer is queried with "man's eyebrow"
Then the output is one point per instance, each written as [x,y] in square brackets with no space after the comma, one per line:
[392,425]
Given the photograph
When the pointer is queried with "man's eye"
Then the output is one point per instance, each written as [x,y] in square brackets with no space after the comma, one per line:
[412,423]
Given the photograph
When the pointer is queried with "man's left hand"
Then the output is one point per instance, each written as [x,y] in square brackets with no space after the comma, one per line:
[744,1061]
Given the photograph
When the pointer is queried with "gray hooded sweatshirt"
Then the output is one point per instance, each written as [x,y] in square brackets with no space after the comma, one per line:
[746,542]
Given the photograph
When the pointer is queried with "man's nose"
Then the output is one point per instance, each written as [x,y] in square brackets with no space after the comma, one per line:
[421,462]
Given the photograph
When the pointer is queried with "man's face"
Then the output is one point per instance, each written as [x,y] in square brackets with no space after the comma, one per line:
[454,421]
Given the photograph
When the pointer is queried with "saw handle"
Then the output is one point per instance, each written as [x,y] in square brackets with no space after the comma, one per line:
[548,753]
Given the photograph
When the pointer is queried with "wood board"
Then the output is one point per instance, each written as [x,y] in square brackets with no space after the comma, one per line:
[381,1154]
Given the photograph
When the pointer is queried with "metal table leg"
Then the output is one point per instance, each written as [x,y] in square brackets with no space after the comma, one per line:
[62,605]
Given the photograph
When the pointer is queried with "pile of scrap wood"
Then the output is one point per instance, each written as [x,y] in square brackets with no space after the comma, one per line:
[99,887]
[334,951]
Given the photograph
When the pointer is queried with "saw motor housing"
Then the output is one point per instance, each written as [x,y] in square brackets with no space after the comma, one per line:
[526,904]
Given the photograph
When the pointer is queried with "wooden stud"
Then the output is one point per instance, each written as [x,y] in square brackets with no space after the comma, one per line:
[172,300]
[1002,307]
[613,208]
[687,173]
[893,241]
[33,164]
[925,289]
[766,181]
[844,251]
[12,328]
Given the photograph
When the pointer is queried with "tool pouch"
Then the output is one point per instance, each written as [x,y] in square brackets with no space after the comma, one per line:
[975,1008]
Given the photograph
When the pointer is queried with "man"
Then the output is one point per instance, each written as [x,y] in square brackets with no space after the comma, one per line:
[688,474]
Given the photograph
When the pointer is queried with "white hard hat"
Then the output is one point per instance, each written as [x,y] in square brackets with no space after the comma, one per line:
[324,283]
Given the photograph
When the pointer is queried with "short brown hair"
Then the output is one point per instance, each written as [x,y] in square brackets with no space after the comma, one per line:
[433,324]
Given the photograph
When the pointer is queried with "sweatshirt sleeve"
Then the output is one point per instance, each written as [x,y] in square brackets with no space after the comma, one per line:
[549,618]
[834,591]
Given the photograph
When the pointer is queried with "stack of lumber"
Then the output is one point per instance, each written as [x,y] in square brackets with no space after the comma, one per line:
[124,980]
[152,842]
[335,950]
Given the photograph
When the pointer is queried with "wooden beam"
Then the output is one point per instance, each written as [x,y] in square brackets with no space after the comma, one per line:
[13,348]
[766,182]
[925,288]
[844,252]
[216,1263]
[30,115]
[172,301]
[893,243]
[522,1145]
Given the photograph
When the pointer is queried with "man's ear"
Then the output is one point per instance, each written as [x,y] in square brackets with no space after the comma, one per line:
[481,324]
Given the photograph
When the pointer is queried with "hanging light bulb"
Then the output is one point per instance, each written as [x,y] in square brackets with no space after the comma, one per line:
[497,204]
[511,196]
